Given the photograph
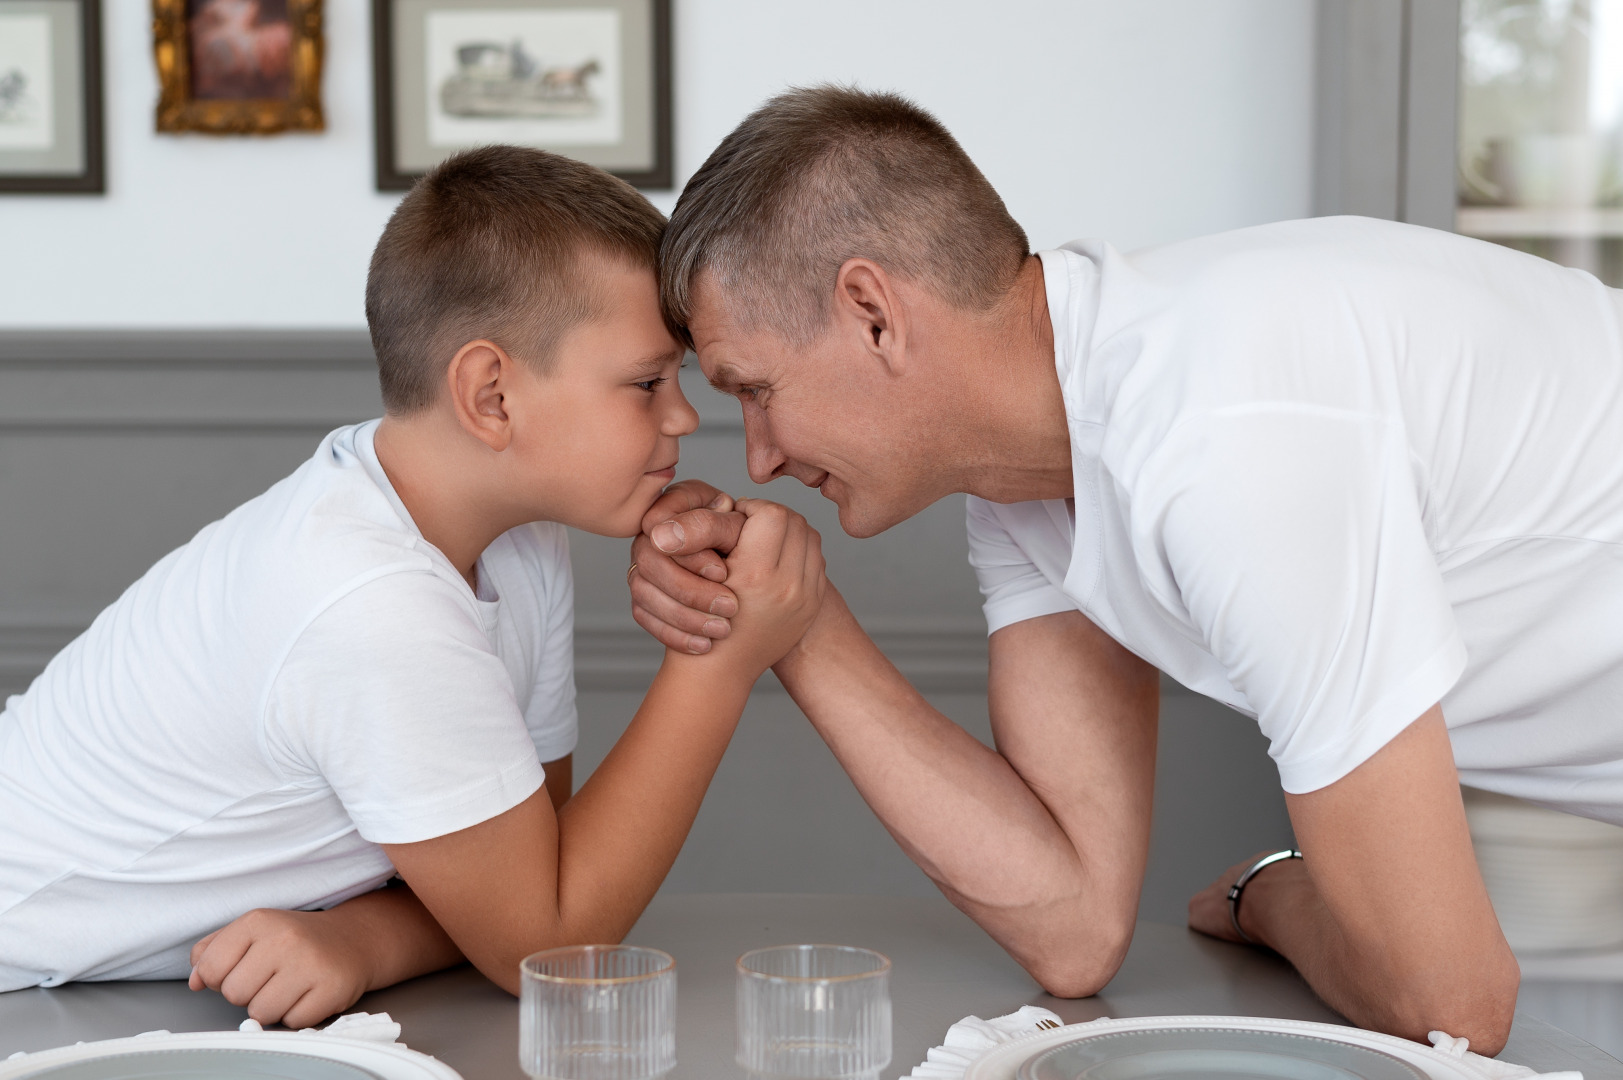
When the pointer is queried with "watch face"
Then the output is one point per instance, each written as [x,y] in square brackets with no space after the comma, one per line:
[1206,1053]
[204,1064]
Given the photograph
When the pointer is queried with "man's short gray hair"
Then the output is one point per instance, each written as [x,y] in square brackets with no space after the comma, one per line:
[823,174]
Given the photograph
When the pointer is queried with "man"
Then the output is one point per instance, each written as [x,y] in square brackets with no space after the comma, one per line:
[1359,480]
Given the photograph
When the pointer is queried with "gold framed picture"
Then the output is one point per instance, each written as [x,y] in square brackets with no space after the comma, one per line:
[238,67]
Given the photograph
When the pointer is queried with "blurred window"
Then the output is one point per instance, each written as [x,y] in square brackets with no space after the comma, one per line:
[1541,129]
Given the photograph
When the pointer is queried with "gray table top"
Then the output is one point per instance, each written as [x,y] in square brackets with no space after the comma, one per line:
[945,968]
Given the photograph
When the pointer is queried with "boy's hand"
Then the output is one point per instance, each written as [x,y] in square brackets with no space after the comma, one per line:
[776,570]
[678,567]
[296,967]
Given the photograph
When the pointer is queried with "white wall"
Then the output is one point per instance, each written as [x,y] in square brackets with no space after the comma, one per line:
[1141,121]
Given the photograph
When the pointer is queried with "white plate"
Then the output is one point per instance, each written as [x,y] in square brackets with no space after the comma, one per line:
[1004,1062]
[229,1055]
[1196,1053]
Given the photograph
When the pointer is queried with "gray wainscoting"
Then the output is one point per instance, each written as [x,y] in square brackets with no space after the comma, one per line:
[117,447]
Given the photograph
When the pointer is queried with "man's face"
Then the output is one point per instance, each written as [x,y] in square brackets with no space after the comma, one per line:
[828,414]
[601,426]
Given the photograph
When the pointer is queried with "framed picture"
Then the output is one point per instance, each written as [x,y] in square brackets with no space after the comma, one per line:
[238,67]
[50,96]
[587,78]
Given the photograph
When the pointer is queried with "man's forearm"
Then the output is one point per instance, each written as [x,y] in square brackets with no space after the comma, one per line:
[958,809]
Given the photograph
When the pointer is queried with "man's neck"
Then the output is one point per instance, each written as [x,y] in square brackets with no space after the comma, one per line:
[427,460]
[1017,443]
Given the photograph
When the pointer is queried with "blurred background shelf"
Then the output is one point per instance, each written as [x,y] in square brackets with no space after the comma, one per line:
[1575,223]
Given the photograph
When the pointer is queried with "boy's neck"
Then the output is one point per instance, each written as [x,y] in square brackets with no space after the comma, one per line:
[437,471]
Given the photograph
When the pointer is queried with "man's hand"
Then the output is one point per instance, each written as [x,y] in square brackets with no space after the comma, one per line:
[678,567]
[1209,908]
[296,967]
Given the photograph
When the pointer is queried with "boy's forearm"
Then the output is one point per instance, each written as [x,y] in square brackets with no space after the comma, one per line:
[396,935]
[620,833]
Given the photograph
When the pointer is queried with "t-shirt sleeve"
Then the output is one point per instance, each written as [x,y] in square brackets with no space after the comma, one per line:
[395,698]
[552,715]
[1013,587]
[1291,539]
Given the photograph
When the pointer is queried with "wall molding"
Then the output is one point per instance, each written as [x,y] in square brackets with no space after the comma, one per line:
[216,382]
[609,657]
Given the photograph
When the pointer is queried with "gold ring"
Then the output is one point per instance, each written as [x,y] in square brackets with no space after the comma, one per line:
[631,571]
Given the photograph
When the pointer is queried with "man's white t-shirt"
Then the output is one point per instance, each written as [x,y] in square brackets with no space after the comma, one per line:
[306,679]
[1332,472]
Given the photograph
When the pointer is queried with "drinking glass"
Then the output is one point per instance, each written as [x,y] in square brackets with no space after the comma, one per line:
[813,1011]
[598,1012]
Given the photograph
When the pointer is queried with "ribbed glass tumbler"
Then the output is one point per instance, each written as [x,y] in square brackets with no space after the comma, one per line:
[598,1012]
[813,1012]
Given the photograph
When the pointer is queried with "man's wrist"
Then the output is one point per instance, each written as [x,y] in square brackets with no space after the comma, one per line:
[826,627]
[1270,893]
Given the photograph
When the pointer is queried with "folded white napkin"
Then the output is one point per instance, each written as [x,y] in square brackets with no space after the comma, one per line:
[362,1026]
[1492,1067]
[971,1037]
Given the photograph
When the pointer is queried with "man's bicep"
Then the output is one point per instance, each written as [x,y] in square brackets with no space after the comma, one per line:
[1389,853]
[1075,714]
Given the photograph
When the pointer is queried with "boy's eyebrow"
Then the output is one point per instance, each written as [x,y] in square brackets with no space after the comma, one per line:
[648,365]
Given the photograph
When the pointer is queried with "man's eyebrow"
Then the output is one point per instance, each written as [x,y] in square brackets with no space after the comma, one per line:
[726,379]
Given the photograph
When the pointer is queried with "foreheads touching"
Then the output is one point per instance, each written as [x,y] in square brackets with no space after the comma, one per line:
[821,175]
[502,243]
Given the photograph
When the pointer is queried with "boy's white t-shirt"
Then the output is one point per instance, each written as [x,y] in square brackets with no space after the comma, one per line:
[304,680]
[1332,472]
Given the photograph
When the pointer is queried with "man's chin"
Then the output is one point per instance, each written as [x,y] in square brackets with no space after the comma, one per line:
[861,522]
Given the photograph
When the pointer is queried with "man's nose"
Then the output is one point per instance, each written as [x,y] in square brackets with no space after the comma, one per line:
[766,461]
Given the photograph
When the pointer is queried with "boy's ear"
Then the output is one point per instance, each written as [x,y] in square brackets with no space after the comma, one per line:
[477,381]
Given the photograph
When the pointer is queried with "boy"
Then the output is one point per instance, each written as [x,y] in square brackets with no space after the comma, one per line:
[360,672]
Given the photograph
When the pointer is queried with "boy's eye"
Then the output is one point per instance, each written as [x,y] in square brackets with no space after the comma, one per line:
[650,385]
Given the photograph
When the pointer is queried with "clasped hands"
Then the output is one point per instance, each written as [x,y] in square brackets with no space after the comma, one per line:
[686,564]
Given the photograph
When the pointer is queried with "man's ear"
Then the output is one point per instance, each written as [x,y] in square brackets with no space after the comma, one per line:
[866,299]
[477,381]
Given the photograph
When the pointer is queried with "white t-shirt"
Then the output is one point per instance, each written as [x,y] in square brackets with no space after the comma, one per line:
[1331,472]
[305,680]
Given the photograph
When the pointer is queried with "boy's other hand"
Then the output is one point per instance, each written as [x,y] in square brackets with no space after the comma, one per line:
[678,567]
[292,967]
[776,568]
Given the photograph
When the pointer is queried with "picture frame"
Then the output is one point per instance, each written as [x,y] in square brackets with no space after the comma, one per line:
[590,79]
[51,139]
[238,67]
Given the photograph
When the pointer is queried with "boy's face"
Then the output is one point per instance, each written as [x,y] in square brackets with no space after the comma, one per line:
[599,429]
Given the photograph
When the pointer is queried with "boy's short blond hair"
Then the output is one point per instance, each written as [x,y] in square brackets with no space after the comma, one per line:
[495,243]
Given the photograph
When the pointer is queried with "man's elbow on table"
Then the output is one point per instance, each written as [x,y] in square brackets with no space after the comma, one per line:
[1082,966]
[1475,1001]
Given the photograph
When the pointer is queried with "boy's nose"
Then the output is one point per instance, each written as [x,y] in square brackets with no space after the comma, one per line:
[682,418]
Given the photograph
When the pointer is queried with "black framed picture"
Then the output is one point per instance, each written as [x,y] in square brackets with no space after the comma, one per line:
[50,96]
[587,78]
